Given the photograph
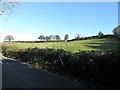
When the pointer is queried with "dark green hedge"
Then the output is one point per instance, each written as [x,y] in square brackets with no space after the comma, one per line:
[99,68]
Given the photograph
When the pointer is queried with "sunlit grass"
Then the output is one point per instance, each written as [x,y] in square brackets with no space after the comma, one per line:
[73,46]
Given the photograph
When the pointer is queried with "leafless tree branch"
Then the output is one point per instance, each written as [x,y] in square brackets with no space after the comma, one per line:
[8,7]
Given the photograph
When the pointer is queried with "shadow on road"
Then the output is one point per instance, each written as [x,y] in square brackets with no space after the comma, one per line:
[20,75]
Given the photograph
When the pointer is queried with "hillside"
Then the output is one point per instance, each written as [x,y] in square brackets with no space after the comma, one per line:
[73,46]
[93,67]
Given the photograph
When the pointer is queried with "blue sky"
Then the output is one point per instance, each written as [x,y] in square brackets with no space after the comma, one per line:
[38,18]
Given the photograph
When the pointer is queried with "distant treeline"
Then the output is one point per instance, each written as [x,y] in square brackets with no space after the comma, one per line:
[36,41]
[82,38]
[94,37]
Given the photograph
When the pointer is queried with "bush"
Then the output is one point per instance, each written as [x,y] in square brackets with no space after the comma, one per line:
[96,67]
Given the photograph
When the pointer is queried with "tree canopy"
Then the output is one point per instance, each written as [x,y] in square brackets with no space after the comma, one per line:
[8,38]
[100,34]
[57,37]
[41,37]
[116,31]
[66,37]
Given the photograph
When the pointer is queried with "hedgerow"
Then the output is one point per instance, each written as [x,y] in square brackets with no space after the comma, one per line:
[97,67]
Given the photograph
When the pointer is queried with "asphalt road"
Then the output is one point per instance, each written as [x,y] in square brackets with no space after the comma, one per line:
[0,74]
[19,75]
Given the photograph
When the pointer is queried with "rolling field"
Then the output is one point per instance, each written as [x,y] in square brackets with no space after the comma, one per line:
[73,46]
[85,66]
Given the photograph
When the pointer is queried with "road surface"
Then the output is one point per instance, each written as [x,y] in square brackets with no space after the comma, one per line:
[19,75]
[0,73]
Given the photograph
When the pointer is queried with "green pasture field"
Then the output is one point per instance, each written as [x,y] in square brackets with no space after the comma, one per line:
[73,46]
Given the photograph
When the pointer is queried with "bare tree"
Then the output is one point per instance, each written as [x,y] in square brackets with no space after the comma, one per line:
[47,38]
[77,37]
[8,6]
[52,37]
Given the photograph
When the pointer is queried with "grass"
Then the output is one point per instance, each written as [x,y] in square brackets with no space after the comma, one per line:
[73,46]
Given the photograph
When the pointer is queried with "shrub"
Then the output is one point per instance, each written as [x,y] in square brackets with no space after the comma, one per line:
[97,67]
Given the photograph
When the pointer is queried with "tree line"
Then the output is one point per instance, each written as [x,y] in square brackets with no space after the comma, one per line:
[116,32]
[52,38]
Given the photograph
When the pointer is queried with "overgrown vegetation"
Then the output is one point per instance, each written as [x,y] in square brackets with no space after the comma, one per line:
[96,67]
[100,68]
